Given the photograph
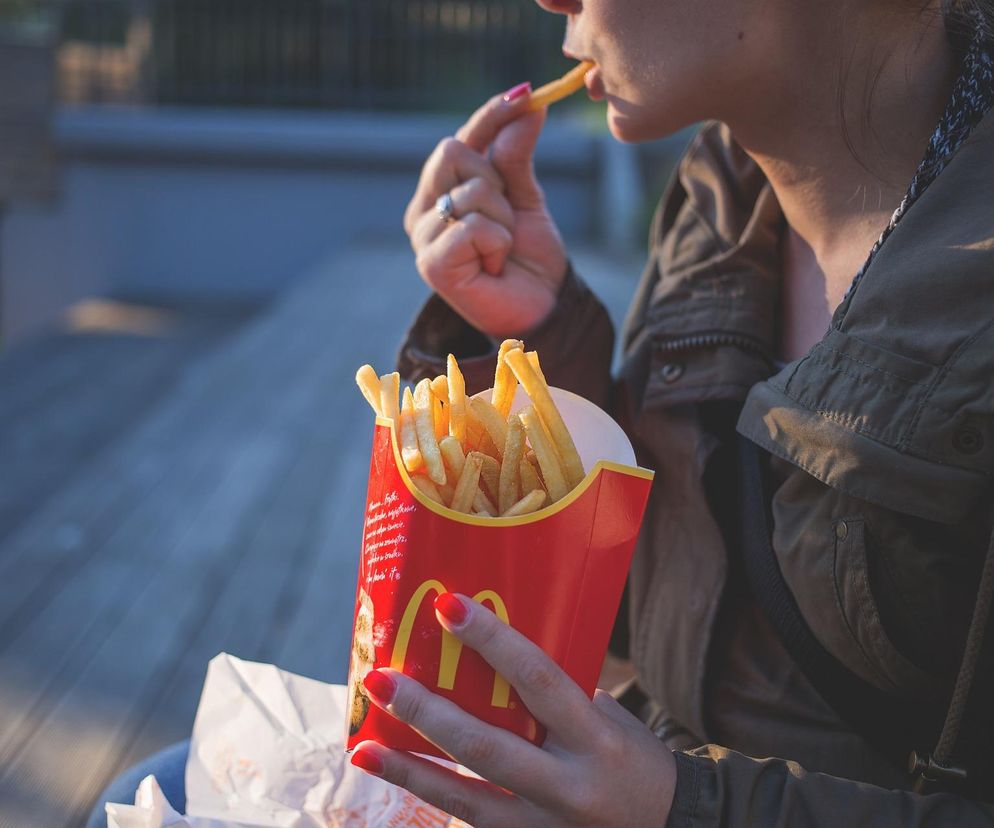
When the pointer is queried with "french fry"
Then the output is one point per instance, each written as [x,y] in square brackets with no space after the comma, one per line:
[447,491]
[505,383]
[536,365]
[559,89]
[529,477]
[490,476]
[369,383]
[531,502]
[468,485]
[551,418]
[548,460]
[457,400]
[390,396]
[510,470]
[409,451]
[482,504]
[424,423]
[427,488]
[440,390]
[452,455]
[475,432]
[493,422]
[487,445]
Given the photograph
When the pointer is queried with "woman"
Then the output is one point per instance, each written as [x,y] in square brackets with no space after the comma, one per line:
[878,435]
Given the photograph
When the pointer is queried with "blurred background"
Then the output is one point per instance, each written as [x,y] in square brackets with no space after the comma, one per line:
[200,241]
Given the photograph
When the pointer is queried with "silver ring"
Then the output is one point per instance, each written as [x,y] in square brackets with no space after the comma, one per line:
[446,208]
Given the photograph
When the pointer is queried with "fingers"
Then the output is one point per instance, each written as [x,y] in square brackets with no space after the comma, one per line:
[471,800]
[451,163]
[512,132]
[496,754]
[463,249]
[552,697]
[478,195]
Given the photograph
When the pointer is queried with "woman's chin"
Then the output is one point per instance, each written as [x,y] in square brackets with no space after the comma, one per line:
[631,124]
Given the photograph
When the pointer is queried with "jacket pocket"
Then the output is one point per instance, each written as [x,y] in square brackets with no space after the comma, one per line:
[879,660]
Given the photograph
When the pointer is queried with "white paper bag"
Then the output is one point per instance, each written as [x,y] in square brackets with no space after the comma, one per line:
[268,750]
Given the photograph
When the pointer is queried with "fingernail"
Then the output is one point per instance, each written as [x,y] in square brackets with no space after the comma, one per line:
[516,92]
[380,686]
[451,608]
[368,761]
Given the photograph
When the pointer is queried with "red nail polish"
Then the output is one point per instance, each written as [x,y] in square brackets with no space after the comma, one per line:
[380,686]
[516,92]
[451,608]
[368,761]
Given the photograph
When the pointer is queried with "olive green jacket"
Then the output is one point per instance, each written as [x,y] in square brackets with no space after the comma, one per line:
[883,439]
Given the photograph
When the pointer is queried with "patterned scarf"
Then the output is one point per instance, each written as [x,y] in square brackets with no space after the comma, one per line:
[972,97]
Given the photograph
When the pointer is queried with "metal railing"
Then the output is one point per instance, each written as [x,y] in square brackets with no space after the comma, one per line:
[342,54]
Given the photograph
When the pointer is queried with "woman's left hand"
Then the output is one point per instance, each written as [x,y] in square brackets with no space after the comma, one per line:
[599,765]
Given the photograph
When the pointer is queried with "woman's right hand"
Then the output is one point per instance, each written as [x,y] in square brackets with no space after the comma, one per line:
[501,262]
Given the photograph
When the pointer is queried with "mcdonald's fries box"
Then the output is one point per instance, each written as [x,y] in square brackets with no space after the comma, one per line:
[555,575]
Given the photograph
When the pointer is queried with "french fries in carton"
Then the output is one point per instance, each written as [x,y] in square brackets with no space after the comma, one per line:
[525,498]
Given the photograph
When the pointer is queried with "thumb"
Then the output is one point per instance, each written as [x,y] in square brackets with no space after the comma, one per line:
[512,155]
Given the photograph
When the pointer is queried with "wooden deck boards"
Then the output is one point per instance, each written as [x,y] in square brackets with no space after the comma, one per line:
[213,503]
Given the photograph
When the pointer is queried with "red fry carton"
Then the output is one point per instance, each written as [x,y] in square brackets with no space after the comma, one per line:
[555,575]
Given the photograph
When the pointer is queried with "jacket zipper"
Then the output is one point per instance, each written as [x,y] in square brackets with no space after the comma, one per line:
[713,340]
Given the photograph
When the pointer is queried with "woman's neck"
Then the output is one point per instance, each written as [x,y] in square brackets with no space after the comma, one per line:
[841,134]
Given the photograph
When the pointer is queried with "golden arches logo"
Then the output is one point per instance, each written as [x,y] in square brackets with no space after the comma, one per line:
[451,646]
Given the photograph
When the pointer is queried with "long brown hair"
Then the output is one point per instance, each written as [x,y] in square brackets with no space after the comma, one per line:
[965,17]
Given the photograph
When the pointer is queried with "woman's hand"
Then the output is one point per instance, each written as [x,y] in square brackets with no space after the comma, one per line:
[500,262]
[599,765]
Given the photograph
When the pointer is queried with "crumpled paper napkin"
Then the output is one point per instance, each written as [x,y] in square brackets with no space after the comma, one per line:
[267,751]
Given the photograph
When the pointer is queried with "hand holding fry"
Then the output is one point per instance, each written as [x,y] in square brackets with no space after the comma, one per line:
[500,262]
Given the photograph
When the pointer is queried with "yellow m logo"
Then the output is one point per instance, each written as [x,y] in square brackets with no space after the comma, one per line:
[451,646]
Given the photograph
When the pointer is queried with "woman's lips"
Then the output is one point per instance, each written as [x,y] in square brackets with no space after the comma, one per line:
[595,84]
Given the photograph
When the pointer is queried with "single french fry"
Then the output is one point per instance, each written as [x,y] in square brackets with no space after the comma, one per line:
[490,476]
[440,391]
[551,418]
[531,502]
[482,504]
[475,432]
[493,422]
[457,400]
[447,491]
[488,446]
[452,455]
[505,383]
[536,365]
[548,460]
[555,91]
[369,383]
[529,477]
[427,488]
[409,451]
[424,423]
[390,396]
[468,485]
[510,469]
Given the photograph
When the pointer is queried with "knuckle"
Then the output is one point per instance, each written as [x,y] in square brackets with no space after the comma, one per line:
[410,707]
[608,743]
[538,673]
[476,748]
[449,149]
[456,804]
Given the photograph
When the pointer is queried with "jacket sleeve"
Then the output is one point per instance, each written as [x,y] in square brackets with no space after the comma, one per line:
[717,787]
[575,344]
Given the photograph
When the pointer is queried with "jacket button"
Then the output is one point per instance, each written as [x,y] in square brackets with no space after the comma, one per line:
[841,530]
[968,440]
[672,371]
